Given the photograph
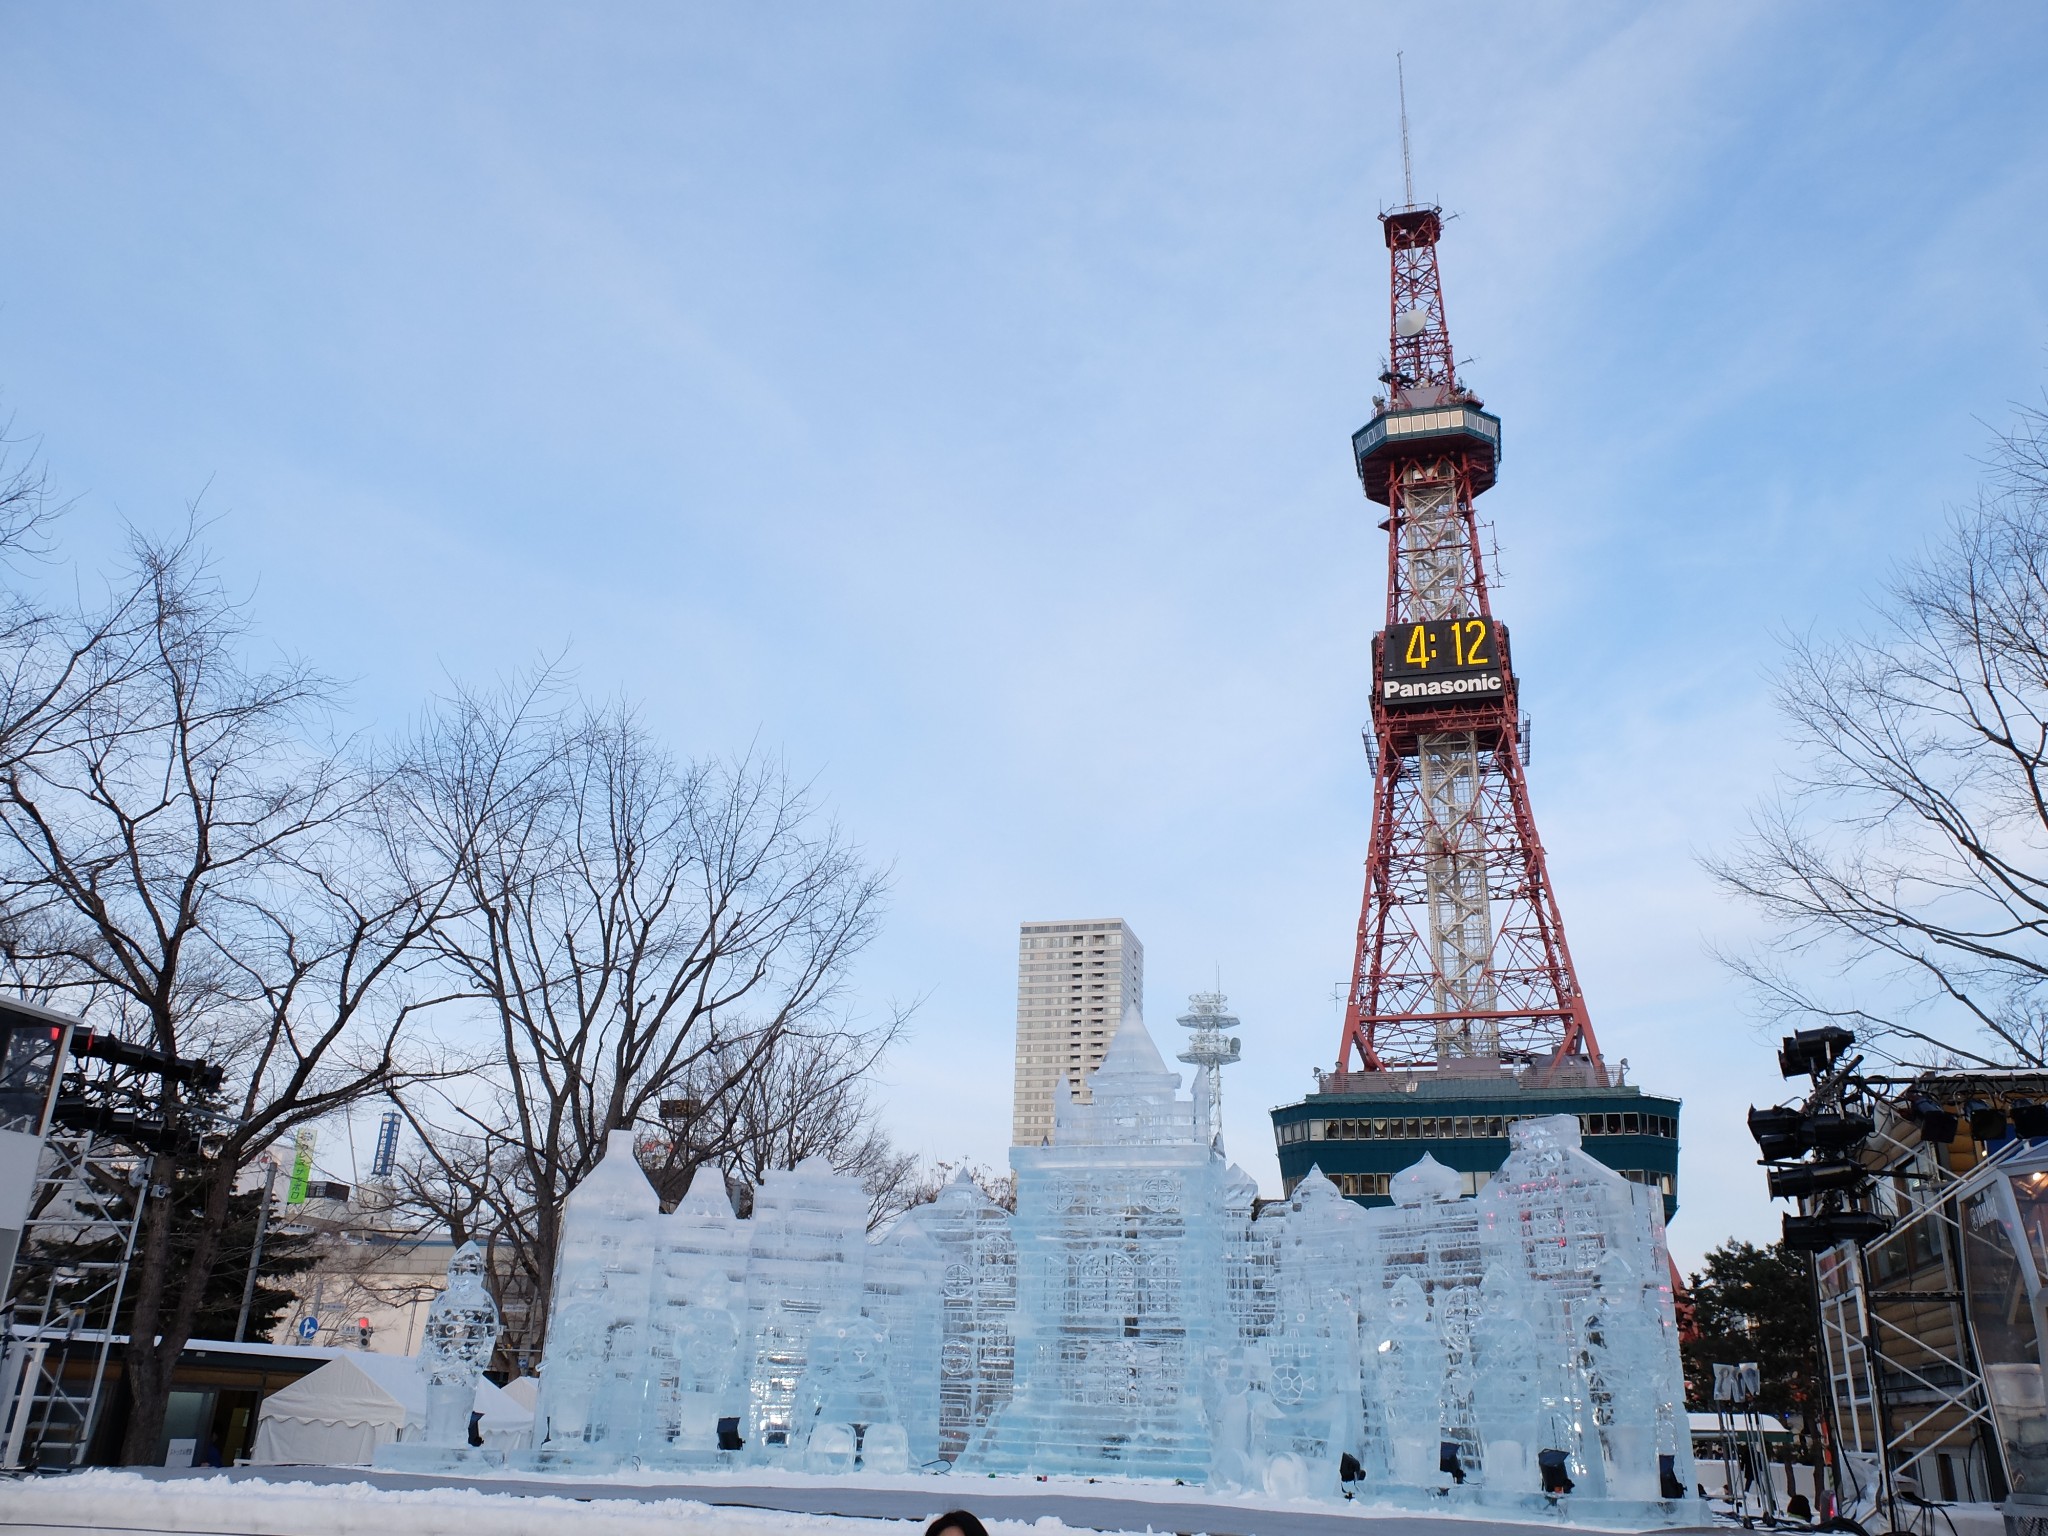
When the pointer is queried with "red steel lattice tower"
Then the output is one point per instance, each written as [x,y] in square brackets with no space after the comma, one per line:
[1461,950]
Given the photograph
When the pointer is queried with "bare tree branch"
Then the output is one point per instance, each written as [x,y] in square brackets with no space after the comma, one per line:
[1904,865]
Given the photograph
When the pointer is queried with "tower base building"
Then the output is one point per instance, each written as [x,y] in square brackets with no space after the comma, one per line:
[1362,1128]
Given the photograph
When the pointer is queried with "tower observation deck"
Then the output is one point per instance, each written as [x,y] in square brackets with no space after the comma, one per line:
[1463,1010]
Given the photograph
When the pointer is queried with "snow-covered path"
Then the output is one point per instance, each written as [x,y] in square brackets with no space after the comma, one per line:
[345,1501]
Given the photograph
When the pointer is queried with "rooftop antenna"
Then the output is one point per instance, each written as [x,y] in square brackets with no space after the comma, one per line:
[1407,167]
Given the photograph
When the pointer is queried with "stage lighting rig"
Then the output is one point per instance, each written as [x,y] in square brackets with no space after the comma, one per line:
[126,1104]
[1811,1152]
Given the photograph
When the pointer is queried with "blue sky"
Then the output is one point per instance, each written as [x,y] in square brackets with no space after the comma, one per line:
[955,399]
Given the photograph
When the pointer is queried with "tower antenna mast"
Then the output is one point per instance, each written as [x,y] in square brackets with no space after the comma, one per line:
[1407,167]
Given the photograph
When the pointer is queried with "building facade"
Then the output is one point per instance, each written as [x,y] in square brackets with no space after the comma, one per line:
[1074,981]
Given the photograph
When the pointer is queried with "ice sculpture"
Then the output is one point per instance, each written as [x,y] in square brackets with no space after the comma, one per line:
[456,1343]
[595,1372]
[1120,1294]
[1311,1347]
[1585,1248]
[904,1273]
[1508,1375]
[978,1306]
[696,1332]
[809,1241]
[1138,1315]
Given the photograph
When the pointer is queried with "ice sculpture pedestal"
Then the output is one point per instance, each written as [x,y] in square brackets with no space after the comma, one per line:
[413,1456]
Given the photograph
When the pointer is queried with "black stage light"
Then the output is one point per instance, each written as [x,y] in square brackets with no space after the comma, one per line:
[1813,1179]
[1780,1134]
[1810,1052]
[1938,1126]
[2030,1120]
[1811,1234]
[1836,1132]
[1987,1122]
[1552,1466]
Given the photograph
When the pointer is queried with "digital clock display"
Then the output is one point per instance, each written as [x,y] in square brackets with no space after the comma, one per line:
[1442,661]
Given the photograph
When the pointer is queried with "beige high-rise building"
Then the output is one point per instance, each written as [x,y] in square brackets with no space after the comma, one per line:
[1074,981]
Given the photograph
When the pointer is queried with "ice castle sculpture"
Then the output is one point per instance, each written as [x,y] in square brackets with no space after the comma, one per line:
[1139,1315]
[1120,1284]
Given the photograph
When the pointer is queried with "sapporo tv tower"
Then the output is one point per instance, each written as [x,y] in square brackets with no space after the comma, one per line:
[1463,1011]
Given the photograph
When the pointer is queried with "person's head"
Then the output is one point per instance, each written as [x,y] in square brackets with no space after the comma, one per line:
[956,1522]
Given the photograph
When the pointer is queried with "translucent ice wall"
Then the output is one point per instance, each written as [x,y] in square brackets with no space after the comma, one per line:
[1582,1250]
[698,1325]
[978,1306]
[1309,1417]
[595,1371]
[903,1279]
[807,1254]
[1120,1290]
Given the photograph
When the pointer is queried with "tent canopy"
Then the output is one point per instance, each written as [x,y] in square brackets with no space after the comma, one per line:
[524,1390]
[339,1414]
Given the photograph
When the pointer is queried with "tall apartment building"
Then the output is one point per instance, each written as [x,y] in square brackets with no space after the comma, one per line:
[1074,981]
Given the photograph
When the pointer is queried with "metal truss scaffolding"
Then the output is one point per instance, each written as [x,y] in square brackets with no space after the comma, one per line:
[1910,1404]
[69,1283]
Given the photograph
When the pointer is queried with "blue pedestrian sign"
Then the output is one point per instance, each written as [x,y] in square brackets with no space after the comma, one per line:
[308,1326]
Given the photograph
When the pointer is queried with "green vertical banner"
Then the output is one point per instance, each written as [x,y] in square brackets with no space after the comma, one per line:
[302,1168]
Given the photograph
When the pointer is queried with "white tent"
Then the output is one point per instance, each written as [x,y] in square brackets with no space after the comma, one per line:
[525,1391]
[339,1414]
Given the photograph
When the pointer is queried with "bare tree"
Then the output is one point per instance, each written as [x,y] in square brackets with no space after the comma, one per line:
[1905,860]
[750,1109]
[632,929]
[183,854]
[54,660]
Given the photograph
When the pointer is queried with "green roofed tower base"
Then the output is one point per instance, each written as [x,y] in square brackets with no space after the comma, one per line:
[1363,1128]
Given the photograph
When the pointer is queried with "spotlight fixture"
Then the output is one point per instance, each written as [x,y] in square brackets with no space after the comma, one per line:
[1810,1052]
[1805,1179]
[1824,1229]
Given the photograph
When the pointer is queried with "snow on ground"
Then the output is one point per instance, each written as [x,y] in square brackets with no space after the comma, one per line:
[337,1501]
[130,1505]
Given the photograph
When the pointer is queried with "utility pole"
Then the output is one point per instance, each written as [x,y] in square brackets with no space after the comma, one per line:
[256,1253]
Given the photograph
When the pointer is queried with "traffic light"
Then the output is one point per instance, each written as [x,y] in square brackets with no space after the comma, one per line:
[1810,1052]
